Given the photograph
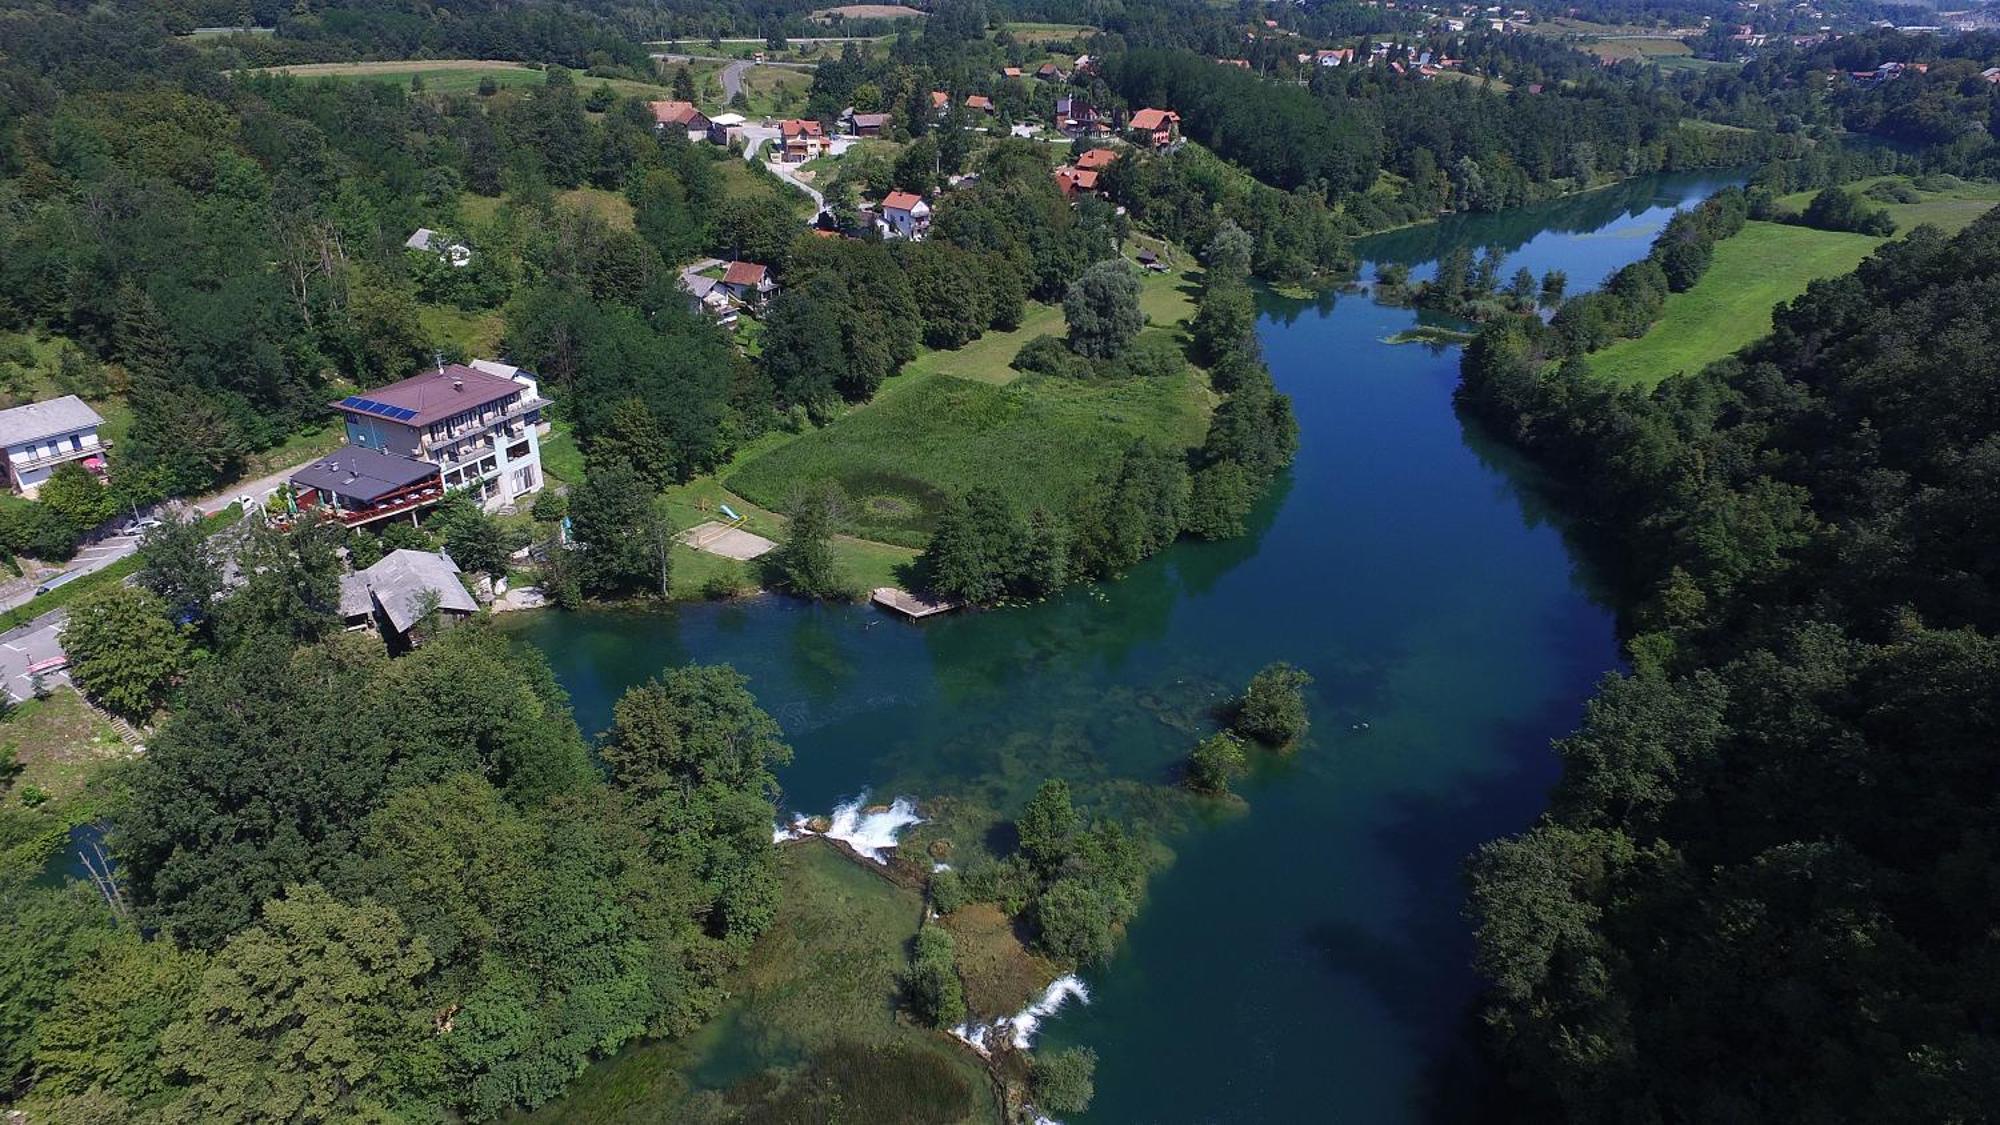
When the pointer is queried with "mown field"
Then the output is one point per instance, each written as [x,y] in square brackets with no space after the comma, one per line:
[1041,441]
[1764,265]
[819,990]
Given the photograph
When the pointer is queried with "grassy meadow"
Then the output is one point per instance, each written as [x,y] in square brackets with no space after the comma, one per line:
[1765,265]
[1041,441]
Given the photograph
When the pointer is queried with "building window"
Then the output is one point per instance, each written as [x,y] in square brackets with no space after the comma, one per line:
[75,443]
[524,478]
[518,453]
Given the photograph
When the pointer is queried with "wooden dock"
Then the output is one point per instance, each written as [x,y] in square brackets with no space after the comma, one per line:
[900,601]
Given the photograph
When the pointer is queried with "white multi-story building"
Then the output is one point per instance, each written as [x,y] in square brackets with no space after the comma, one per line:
[42,435]
[481,425]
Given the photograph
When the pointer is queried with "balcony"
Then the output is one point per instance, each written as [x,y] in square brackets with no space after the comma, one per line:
[44,460]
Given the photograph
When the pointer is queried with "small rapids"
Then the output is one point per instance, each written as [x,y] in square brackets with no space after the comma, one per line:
[1020,1028]
[871,834]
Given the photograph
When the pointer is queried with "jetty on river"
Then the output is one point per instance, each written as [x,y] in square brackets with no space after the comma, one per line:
[911,606]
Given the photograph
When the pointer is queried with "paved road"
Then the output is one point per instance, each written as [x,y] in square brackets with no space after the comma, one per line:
[41,639]
[815,39]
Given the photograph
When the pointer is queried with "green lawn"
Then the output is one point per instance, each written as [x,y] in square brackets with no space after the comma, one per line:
[1952,210]
[1042,441]
[1764,265]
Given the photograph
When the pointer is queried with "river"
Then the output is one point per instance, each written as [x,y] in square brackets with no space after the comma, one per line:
[1305,958]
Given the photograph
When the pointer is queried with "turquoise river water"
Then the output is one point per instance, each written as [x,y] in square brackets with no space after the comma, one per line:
[1305,959]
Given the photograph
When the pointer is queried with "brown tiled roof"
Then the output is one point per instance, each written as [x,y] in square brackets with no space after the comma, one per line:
[676,113]
[744,273]
[939,99]
[1097,158]
[979,101]
[901,200]
[799,128]
[1151,119]
[433,396]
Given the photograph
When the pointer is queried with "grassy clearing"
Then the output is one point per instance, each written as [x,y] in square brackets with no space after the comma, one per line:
[815,1001]
[1028,32]
[1952,210]
[1041,441]
[775,89]
[561,458]
[866,563]
[58,742]
[477,333]
[1764,265]
[451,76]
[610,206]
[1615,50]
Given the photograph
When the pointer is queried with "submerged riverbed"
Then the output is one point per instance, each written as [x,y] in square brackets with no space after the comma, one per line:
[1305,958]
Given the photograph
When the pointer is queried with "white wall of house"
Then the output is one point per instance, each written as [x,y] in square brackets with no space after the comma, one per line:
[30,463]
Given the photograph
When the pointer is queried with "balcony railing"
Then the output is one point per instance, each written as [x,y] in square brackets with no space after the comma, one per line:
[38,460]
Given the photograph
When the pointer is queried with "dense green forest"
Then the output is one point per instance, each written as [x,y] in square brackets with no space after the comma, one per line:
[1764,888]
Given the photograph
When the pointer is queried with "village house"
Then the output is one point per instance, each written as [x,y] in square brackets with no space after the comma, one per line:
[1076,117]
[428,241]
[1010,72]
[940,103]
[905,215]
[707,297]
[42,435]
[480,425]
[1158,129]
[1050,72]
[867,124]
[357,486]
[396,594]
[1075,182]
[1097,159]
[802,140]
[683,117]
[749,283]
[979,103]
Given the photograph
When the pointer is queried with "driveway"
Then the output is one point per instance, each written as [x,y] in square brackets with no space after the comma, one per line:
[38,640]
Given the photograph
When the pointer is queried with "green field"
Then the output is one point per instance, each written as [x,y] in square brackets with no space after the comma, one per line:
[819,989]
[1764,265]
[1041,441]
[451,76]
[1952,209]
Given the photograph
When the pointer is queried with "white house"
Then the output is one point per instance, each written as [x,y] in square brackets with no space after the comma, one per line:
[479,425]
[905,215]
[42,435]
[428,241]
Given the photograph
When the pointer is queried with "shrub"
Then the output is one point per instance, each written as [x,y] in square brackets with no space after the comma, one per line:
[1213,762]
[930,985]
[1064,1080]
[1047,355]
[1273,710]
[1076,921]
[947,891]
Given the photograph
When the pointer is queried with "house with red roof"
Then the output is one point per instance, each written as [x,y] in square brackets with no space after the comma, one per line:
[1097,159]
[1158,129]
[1075,182]
[749,282]
[802,140]
[905,215]
[979,103]
[682,116]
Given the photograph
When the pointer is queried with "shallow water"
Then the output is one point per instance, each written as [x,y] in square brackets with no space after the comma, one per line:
[1306,959]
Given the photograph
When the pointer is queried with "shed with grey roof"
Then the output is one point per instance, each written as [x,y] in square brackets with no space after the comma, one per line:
[401,585]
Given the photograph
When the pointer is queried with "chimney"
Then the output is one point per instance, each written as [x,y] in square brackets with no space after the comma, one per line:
[457,384]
